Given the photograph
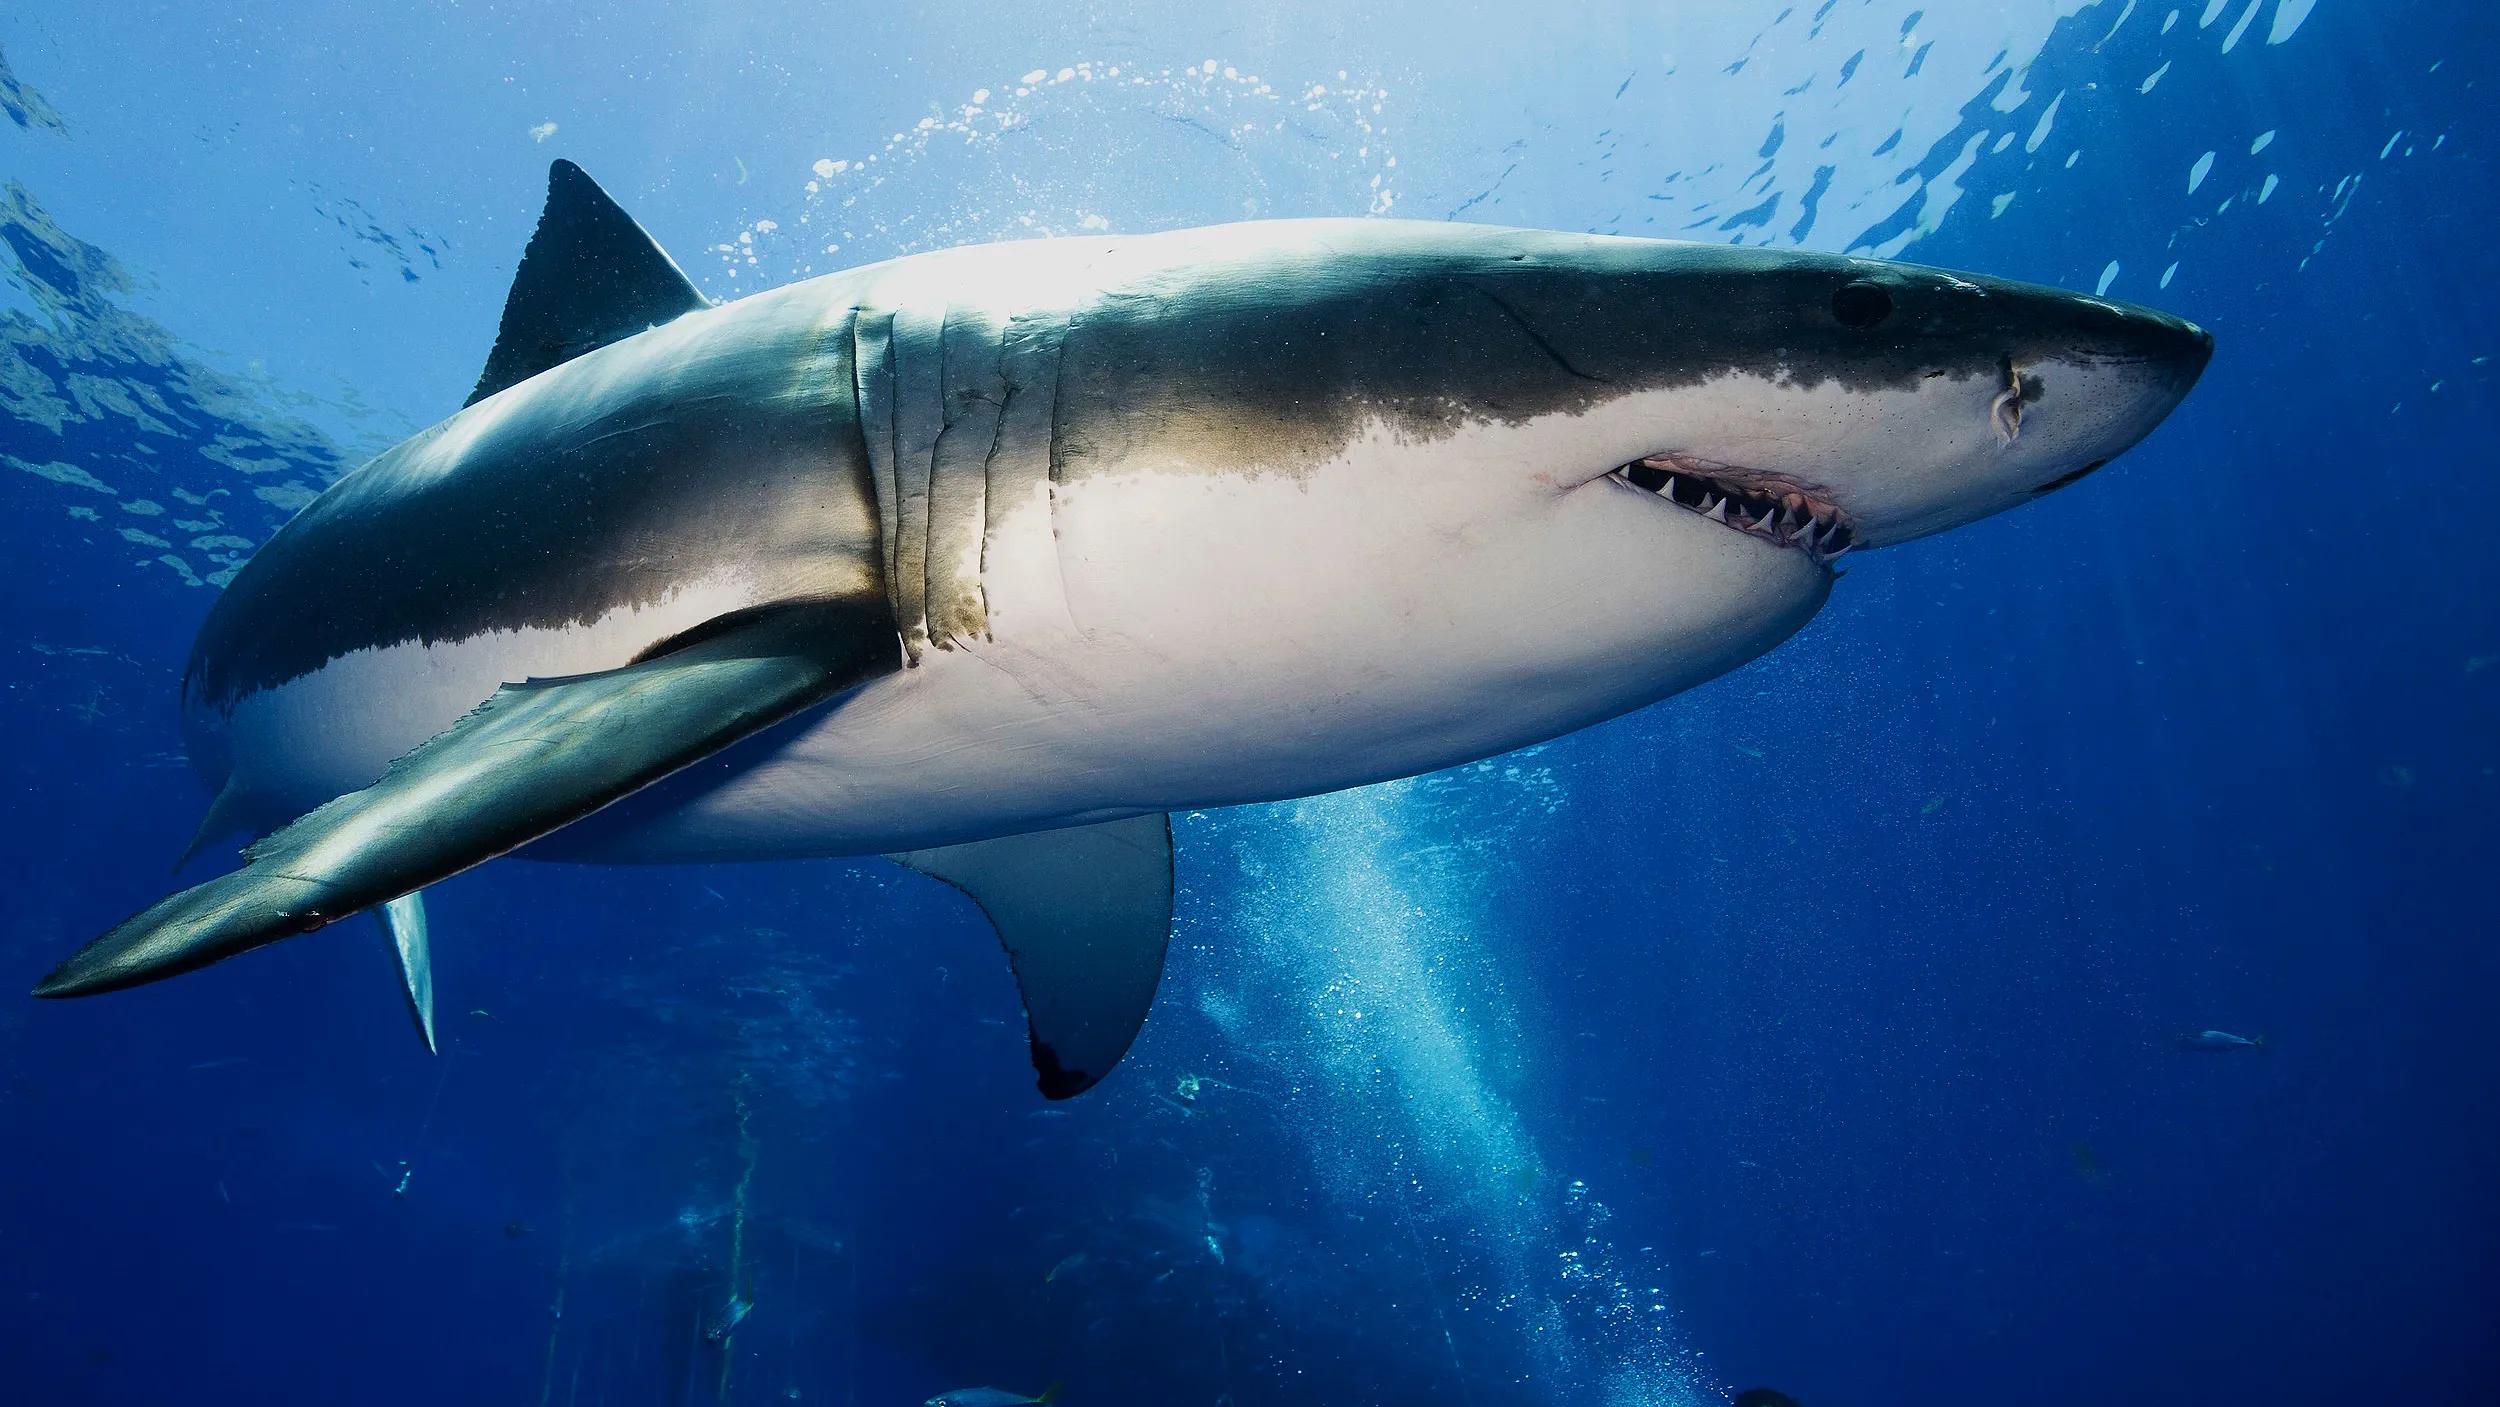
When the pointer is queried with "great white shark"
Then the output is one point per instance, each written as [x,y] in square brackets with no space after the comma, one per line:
[989,559]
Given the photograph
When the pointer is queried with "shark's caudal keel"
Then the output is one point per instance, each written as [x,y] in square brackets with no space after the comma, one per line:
[988,559]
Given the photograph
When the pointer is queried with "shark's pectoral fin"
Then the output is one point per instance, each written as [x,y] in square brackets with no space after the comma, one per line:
[589,277]
[403,922]
[1085,914]
[530,760]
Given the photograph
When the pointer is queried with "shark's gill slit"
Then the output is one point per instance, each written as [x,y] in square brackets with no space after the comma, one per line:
[1779,513]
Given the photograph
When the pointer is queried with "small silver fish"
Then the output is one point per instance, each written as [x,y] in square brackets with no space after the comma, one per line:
[731,1316]
[2221,1040]
[992,1397]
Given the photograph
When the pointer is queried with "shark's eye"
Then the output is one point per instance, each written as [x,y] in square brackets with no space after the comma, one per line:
[1861,305]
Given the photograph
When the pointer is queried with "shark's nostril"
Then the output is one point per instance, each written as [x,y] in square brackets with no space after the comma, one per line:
[2005,413]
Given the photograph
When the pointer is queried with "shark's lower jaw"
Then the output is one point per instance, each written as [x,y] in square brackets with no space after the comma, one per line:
[1758,505]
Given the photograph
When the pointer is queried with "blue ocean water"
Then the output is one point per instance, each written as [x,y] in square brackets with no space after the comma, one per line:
[1815,1029]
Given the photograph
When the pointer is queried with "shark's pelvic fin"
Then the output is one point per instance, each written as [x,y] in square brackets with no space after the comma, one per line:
[589,277]
[1085,914]
[224,818]
[403,920]
[532,759]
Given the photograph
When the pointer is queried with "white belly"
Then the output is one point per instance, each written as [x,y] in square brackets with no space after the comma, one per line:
[1186,641]
[1156,643]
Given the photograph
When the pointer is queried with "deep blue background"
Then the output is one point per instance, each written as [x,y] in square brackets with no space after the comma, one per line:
[1831,1008]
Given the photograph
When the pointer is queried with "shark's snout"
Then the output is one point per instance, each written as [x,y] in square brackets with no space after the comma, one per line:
[2168,353]
[1821,402]
[2177,349]
[2019,390]
[2184,343]
[2158,359]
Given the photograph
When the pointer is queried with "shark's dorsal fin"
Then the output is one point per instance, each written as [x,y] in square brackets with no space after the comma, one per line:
[589,277]
[1085,914]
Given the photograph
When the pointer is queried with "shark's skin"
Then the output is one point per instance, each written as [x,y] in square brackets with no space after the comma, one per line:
[1218,516]
[989,559]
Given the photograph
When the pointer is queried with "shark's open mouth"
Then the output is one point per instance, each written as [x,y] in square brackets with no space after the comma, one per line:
[1761,505]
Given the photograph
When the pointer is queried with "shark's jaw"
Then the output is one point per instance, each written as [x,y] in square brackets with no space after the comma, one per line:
[1767,506]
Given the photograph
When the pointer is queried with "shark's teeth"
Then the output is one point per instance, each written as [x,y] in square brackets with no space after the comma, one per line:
[1782,516]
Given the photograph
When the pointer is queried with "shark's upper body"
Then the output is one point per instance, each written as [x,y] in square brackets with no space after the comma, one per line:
[1075,532]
